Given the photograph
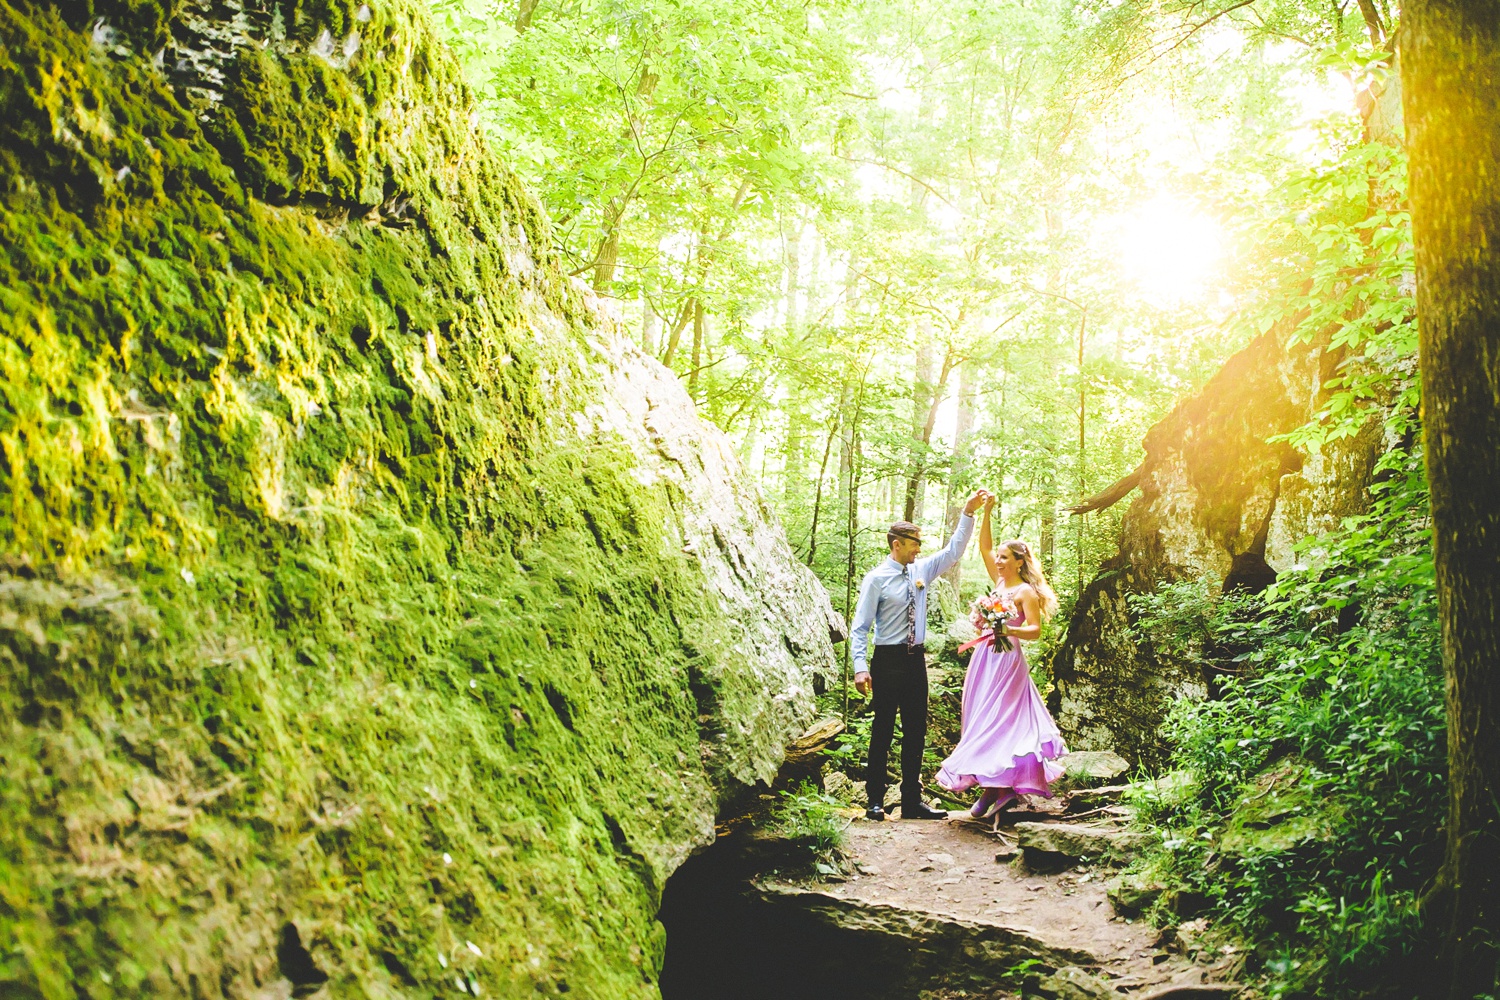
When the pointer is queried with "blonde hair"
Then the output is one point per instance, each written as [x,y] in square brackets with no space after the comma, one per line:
[1031,572]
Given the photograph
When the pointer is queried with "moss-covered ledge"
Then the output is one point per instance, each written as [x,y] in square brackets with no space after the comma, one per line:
[370,611]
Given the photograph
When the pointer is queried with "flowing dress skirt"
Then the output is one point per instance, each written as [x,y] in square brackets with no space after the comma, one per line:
[1009,739]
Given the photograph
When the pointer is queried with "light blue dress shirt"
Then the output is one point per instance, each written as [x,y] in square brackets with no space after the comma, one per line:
[883,595]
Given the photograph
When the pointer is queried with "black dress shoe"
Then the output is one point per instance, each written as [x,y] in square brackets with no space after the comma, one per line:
[875,812]
[921,810]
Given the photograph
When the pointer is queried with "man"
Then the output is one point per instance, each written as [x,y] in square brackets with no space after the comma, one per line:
[893,598]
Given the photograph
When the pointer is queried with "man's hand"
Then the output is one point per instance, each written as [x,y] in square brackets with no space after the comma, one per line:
[976,501]
[862,682]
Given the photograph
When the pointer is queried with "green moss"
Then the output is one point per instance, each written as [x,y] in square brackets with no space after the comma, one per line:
[1282,809]
[310,615]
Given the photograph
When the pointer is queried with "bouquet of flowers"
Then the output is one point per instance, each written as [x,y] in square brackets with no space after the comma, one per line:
[989,615]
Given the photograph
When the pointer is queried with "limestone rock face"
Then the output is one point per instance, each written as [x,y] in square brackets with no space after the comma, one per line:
[1219,503]
[373,615]
[761,671]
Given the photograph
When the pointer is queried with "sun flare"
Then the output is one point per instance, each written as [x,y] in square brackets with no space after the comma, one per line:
[1170,250]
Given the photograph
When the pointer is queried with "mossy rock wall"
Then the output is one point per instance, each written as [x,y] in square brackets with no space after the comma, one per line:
[374,620]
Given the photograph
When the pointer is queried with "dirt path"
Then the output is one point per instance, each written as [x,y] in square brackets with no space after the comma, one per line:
[961,872]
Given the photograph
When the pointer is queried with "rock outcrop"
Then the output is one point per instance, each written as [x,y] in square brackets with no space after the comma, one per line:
[1219,502]
[375,620]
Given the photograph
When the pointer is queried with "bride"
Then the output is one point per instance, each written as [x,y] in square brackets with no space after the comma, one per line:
[1009,741]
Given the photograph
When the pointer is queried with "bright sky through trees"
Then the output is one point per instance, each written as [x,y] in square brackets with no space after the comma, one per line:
[873,237]
[1171,250]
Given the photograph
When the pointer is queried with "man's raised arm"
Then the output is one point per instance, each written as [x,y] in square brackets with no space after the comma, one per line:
[962,532]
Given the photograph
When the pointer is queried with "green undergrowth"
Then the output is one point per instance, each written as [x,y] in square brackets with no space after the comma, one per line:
[1306,815]
[332,648]
[814,825]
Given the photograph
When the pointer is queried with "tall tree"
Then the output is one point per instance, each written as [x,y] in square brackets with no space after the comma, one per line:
[958,471]
[1451,86]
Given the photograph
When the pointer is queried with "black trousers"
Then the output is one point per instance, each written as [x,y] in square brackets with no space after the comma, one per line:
[899,678]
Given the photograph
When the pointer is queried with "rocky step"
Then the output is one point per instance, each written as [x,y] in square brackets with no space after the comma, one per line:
[906,946]
[1074,983]
[1052,843]
[936,905]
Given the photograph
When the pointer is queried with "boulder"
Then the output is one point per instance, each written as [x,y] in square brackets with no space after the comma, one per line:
[1132,893]
[876,949]
[840,786]
[1172,788]
[1194,991]
[1084,799]
[1087,768]
[1278,811]
[1094,841]
[815,740]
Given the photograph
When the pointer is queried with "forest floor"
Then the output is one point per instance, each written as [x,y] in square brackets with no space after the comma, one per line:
[962,871]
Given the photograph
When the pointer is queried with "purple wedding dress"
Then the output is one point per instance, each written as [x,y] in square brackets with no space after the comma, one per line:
[1009,739]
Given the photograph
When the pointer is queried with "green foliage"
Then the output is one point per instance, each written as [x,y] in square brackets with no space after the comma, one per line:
[1188,620]
[1312,819]
[1341,266]
[812,821]
[644,123]
[852,749]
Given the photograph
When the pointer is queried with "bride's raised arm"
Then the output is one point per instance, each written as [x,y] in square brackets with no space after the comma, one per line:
[987,541]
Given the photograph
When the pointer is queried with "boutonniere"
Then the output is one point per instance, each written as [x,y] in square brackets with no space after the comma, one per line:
[919,584]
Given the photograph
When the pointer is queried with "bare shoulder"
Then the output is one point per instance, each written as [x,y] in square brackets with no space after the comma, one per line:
[1026,592]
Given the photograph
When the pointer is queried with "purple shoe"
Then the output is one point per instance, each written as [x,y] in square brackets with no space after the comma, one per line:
[999,802]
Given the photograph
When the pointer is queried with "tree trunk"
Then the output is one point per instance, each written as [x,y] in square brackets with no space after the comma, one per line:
[935,391]
[524,14]
[813,269]
[703,260]
[697,349]
[958,472]
[1451,87]
[921,399]
[648,324]
[674,335]
[608,255]
[851,524]
[794,450]
[846,437]
[833,428]
[793,276]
